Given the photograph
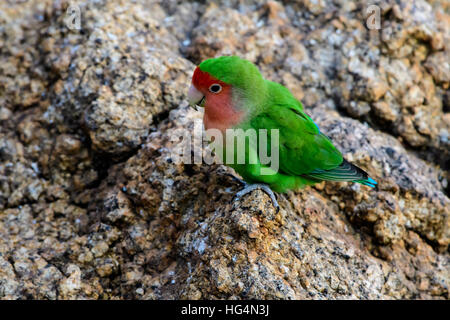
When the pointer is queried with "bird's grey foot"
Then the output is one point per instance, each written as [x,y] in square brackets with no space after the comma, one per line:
[250,187]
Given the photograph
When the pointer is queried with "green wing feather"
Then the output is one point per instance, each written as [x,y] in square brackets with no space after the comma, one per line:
[304,150]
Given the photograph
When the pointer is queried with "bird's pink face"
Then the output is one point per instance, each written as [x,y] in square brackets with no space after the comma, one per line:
[216,97]
[206,90]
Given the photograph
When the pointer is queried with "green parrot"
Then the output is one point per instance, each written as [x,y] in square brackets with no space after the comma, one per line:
[236,96]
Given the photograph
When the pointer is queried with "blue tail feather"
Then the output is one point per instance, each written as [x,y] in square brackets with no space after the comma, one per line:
[368,182]
[345,172]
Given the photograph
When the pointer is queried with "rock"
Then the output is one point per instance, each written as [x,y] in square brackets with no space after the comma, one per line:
[70,286]
[385,111]
[439,66]
[414,97]
[93,204]
[377,89]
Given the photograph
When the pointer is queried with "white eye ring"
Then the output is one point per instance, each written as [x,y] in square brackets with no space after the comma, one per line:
[215,88]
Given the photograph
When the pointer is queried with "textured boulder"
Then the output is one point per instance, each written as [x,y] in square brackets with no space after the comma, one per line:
[93,205]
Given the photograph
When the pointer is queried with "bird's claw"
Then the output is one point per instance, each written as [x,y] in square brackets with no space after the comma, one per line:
[240,181]
[250,187]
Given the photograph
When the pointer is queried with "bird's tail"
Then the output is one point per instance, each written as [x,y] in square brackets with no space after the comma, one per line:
[345,172]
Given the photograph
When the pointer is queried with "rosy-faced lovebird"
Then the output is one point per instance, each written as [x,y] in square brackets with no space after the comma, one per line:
[236,96]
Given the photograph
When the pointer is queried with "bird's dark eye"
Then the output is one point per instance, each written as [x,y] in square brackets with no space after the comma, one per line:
[215,88]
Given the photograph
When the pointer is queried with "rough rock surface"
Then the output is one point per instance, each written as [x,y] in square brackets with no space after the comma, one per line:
[93,206]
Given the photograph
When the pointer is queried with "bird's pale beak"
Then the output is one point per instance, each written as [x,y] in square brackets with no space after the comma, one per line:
[195,97]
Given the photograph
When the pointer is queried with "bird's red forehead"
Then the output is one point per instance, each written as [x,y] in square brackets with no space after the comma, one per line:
[203,80]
